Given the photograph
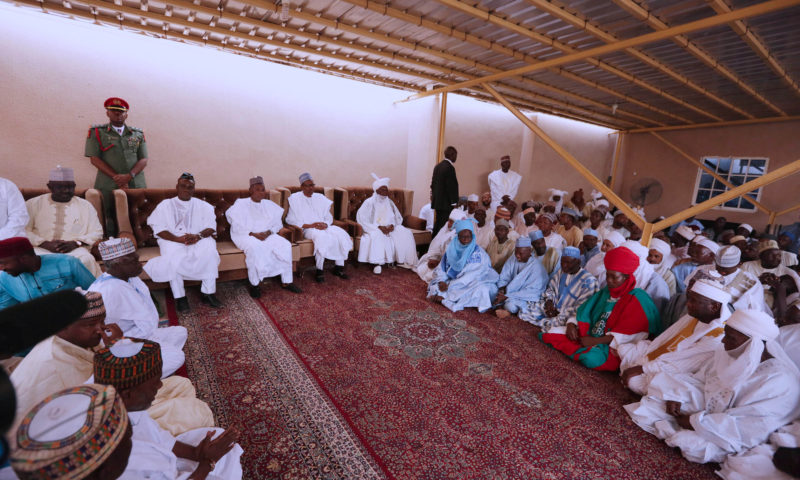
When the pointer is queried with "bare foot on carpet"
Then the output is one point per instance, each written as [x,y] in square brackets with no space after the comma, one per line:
[436,299]
[502,313]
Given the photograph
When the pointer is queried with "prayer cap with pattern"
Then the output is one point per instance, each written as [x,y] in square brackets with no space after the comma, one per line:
[304,177]
[115,248]
[768,245]
[70,434]
[256,180]
[96,307]
[535,235]
[116,103]
[550,216]
[11,247]
[502,212]
[128,363]
[572,252]
[523,242]
[591,232]
[729,256]
[62,174]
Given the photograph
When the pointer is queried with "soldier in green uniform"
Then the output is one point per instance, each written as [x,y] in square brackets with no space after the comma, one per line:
[120,154]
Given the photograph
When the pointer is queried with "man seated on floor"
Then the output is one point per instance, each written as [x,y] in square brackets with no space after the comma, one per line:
[748,390]
[595,265]
[464,278]
[568,227]
[184,227]
[526,221]
[618,224]
[484,230]
[566,291]
[133,368]
[589,246]
[660,257]
[686,346]
[312,212]
[745,289]
[60,222]
[546,223]
[128,303]
[680,242]
[67,359]
[82,432]
[427,264]
[769,270]
[549,256]
[646,277]
[702,251]
[522,280]
[385,239]
[501,245]
[26,276]
[617,314]
[255,223]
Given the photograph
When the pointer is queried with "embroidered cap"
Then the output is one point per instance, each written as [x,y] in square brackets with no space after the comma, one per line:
[128,363]
[115,248]
[62,174]
[96,307]
[256,181]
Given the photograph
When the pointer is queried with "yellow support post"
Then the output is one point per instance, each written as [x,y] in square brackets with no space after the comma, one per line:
[615,165]
[442,118]
[647,234]
[585,172]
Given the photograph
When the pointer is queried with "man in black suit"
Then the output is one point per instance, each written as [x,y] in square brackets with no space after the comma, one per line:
[444,188]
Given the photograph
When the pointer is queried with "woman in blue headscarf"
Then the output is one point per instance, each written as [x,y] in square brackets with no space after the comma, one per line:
[465,277]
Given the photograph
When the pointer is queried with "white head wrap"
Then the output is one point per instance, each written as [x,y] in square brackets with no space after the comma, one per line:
[473,198]
[379,182]
[601,203]
[729,256]
[685,232]
[705,242]
[615,238]
[596,195]
[644,272]
[712,289]
[661,247]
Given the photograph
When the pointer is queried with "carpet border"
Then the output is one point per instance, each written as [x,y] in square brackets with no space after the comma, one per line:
[333,401]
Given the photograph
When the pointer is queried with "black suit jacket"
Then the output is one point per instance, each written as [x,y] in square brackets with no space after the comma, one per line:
[444,186]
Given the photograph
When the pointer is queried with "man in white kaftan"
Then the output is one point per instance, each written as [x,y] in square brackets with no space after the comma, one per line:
[428,262]
[385,239]
[128,302]
[255,223]
[184,226]
[484,228]
[769,270]
[13,214]
[744,287]
[312,212]
[749,389]
[686,346]
[60,222]
[504,183]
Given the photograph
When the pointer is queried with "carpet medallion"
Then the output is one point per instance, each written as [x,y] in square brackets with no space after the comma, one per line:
[367,374]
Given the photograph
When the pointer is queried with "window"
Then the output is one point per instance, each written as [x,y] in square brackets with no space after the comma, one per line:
[735,170]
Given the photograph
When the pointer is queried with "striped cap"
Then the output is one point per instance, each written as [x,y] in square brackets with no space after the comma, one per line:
[96,307]
[128,363]
[70,434]
[115,248]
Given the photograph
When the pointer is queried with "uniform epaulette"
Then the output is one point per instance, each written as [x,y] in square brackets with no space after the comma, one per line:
[135,129]
[98,125]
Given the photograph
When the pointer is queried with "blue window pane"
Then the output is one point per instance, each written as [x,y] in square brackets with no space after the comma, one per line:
[706,180]
[756,170]
[732,203]
[747,205]
[723,165]
[737,179]
[739,166]
[758,163]
[703,195]
[754,193]
[718,185]
[710,162]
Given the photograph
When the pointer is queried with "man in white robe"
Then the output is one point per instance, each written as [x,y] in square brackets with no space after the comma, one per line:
[255,223]
[617,224]
[133,368]
[546,223]
[504,183]
[385,239]
[67,359]
[312,212]
[661,258]
[428,262]
[686,346]
[595,265]
[745,289]
[184,227]
[13,214]
[747,391]
[426,213]
[522,279]
[129,305]
[769,270]
[60,222]
[484,229]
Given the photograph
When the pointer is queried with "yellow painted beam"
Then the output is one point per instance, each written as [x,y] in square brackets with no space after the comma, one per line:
[585,172]
[615,165]
[442,119]
[759,182]
[702,24]
[730,123]
[647,234]
[788,210]
[709,171]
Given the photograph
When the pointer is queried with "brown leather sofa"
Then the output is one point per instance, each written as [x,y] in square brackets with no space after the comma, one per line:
[348,200]
[305,247]
[133,206]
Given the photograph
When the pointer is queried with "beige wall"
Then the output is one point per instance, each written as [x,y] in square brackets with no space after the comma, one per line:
[646,156]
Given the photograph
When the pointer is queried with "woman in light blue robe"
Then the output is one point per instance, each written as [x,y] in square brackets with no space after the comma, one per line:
[464,278]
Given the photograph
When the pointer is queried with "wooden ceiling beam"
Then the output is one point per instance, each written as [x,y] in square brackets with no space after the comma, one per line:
[579,21]
[745,33]
[657,24]
[728,123]
[464,36]
[509,25]
[702,24]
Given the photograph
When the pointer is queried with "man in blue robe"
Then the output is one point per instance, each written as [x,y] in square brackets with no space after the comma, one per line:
[522,280]
[26,276]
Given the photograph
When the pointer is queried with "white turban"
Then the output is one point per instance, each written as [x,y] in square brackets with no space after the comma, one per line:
[473,198]
[457,214]
[712,289]
[705,242]
[640,250]
[379,182]
[729,256]
[661,247]
[556,192]
[686,232]
[755,324]
[615,238]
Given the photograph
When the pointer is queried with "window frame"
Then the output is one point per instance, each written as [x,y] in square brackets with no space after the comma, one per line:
[701,172]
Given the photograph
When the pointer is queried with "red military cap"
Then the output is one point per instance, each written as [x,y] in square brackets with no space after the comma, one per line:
[11,247]
[115,103]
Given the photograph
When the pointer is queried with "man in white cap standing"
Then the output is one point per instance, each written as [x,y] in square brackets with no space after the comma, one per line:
[312,212]
[385,239]
[749,389]
[686,346]
[184,227]
[60,222]
[744,287]
[770,271]
[255,223]
[13,214]
[128,302]
[504,183]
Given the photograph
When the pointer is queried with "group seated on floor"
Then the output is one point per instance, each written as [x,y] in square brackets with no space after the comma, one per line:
[704,323]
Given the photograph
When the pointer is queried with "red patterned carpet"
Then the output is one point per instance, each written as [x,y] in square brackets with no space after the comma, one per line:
[364,378]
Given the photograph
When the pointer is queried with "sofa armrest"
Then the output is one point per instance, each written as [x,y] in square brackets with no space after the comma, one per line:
[342,224]
[344,203]
[353,228]
[408,200]
[416,223]
[296,233]
[94,197]
[287,233]
[123,218]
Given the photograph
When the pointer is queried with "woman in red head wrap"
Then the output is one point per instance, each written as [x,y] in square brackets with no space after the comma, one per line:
[619,313]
